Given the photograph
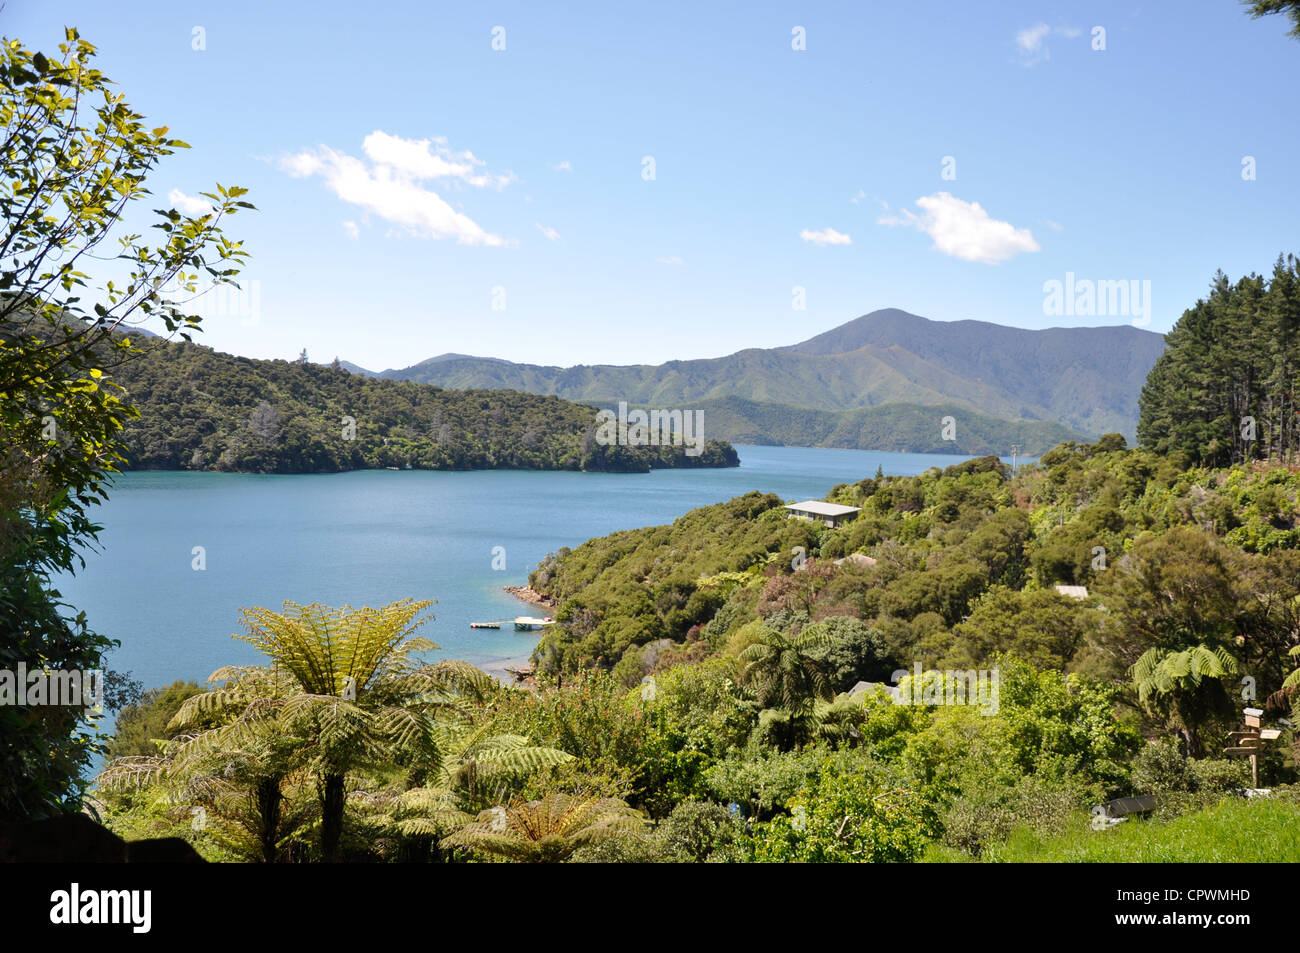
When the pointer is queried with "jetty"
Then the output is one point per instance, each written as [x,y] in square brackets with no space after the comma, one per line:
[523,623]
[528,623]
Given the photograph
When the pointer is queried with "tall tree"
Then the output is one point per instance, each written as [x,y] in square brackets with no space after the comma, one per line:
[234,762]
[1185,686]
[1263,8]
[73,157]
[1175,611]
[1223,391]
[361,697]
[345,693]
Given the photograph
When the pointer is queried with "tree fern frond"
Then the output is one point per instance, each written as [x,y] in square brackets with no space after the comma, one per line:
[130,773]
[430,826]
[513,754]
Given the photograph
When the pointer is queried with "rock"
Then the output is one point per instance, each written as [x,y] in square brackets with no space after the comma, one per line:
[75,838]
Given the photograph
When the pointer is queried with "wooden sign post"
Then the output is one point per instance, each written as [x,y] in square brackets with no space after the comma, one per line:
[1247,743]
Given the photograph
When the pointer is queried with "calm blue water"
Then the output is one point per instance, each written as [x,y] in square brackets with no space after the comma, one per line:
[371,537]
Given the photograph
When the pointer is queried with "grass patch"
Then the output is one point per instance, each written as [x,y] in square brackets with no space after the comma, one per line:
[1235,831]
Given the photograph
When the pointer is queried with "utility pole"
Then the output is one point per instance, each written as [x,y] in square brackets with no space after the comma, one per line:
[1015,450]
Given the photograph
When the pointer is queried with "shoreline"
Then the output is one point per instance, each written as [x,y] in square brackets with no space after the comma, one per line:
[516,671]
[530,595]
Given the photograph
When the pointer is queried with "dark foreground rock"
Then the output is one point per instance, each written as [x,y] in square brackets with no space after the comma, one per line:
[75,838]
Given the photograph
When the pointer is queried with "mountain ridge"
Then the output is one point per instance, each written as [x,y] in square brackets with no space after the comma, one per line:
[1086,379]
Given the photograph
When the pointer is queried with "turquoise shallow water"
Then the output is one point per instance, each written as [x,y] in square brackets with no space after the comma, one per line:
[370,537]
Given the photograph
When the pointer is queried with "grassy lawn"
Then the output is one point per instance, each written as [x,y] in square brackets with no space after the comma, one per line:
[1255,831]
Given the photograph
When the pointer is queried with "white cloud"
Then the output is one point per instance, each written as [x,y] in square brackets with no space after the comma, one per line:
[391,185]
[1032,41]
[859,197]
[549,232]
[301,165]
[964,230]
[565,166]
[827,236]
[352,231]
[430,159]
[671,260]
[188,204]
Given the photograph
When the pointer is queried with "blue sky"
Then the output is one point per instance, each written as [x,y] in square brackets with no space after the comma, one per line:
[409,176]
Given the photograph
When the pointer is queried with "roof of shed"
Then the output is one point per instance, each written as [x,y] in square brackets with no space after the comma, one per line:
[822,509]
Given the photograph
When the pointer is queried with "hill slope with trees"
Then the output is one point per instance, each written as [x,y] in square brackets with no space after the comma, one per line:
[898,428]
[200,409]
[700,699]
[1085,380]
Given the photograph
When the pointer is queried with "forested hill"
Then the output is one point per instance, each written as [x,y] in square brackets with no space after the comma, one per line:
[899,428]
[204,410]
[1080,380]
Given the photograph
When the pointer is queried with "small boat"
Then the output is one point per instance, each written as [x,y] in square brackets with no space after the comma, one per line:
[485,625]
[528,623]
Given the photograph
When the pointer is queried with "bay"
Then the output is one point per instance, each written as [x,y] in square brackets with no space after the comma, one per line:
[370,537]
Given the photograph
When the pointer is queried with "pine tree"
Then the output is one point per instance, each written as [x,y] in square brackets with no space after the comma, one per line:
[1224,390]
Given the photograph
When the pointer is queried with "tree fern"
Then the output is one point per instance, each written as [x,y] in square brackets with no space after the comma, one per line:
[547,830]
[782,670]
[1162,671]
[1185,684]
[1291,685]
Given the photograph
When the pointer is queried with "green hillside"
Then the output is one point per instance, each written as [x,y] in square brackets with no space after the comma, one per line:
[1087,380]
[905,428]
[203,410]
